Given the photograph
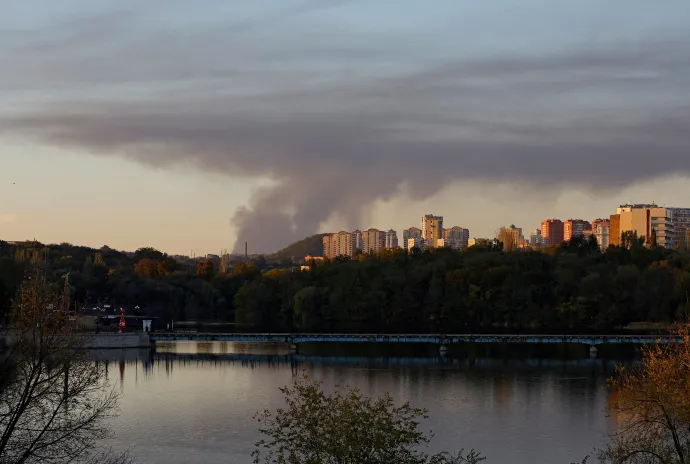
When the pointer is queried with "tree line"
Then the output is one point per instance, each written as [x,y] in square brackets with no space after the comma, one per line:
[571,287]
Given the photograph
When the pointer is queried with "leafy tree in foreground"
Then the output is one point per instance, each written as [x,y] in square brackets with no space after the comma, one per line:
[652,403]
[54,401]
[346,427]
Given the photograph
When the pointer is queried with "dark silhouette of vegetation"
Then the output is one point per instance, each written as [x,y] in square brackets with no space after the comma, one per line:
[346,427]
[55,402]
[571,287]
[312,246]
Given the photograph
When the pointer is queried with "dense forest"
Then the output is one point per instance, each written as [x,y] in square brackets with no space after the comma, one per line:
[566,288]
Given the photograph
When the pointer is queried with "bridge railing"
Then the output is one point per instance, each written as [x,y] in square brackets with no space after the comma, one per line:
[411,338]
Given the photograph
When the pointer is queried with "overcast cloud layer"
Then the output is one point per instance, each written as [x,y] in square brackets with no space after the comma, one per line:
[344,102]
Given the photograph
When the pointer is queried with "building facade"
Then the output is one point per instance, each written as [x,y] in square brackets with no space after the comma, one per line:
[642,219]
[601,229]
[552,232]
[357,240]
[575,228]
[663,225]
[412,232]
[516,235]
[391,239]
[536,241]
[456,237]
[340,244]
[681,225]
[413,243]
[373,241]
[615,230]
[432,228]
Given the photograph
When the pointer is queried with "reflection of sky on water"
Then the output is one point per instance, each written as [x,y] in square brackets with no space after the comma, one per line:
[189,398]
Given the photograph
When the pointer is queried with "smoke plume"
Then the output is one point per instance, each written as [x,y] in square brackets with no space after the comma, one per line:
[339,118]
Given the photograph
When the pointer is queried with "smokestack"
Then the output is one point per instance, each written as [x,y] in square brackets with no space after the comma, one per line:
[246,256]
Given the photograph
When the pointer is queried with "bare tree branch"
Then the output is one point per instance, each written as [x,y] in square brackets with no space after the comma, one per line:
[55,402]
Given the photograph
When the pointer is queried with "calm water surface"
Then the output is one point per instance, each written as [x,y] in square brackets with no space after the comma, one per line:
[194,402]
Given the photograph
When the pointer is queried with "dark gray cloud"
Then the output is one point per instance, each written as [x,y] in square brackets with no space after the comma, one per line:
[340,119]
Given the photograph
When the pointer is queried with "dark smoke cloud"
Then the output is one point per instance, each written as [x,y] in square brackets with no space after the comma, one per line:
[334,138]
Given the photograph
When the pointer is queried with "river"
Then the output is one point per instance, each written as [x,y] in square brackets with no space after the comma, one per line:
[194,402]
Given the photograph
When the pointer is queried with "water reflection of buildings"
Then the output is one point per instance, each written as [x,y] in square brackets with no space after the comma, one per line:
[505,383]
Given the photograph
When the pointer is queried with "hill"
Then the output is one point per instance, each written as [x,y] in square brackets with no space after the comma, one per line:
[312,245]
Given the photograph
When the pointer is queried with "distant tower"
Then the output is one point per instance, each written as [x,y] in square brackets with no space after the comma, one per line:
[246,255]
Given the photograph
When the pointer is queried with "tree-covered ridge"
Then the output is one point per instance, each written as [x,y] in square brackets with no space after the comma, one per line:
[571,287]
[160,285]
[310,246]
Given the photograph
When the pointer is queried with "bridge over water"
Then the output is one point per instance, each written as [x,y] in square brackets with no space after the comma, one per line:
[437,339]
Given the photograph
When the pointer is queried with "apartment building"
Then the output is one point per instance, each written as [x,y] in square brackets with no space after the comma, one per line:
[552,232]
[340,244]
[412,232]
[417,242]
[456,237]
[515,234]
[681,224]
[373,241]
[357,240]
[432,228]
[575,228]
[601,229]
[642,219]
[535,239]
[663,225]
[391,239]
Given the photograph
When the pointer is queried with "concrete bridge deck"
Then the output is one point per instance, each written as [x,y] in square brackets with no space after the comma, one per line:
[438,339]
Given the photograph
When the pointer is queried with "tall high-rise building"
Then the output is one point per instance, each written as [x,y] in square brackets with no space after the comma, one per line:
[340,244]
[681,224]
[412,232]
[357,240]
[432,228]
[575,228]
[601,229]
[456,237]
[552,232]
[391,239]
[373,241]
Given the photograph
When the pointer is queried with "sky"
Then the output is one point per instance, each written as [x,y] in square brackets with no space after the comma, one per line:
[193,127]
